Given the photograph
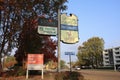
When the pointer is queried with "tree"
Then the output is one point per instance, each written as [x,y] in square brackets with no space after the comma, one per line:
[9,27]
[9,61]
[18,16]
[90,53]
[62,64]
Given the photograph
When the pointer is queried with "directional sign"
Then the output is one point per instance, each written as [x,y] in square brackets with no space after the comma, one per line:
[69,53]
[47,26]
[47,30]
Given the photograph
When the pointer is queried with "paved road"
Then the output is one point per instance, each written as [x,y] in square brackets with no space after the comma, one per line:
[100,75]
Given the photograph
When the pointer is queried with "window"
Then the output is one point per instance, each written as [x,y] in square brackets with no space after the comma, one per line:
[116,48]
[106,54]
[117,56]
[106,61]
[118,61]
[105,50]
[106,58]
[117,52]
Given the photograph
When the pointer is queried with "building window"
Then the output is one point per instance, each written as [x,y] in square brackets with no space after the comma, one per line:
[106,54]
[117,52]
[106,58]
[118,61]
[105,50]
[117,56]
[116,48]
[106,61]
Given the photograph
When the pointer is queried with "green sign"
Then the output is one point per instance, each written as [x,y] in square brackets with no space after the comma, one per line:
[47,26]
[46,30]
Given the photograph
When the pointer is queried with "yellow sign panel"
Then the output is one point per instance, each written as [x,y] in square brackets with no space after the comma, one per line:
[69,29]
[69,20]
[69,36]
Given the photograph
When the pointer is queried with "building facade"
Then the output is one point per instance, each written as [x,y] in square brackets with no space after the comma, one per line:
[111,57]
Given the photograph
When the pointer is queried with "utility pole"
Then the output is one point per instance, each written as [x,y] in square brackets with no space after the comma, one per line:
[59,21]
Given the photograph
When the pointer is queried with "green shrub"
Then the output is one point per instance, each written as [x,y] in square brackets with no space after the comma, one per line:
[106,68]
[18,71]
[68,76]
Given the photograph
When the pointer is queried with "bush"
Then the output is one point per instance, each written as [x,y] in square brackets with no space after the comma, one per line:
[68,76]
[105,68]
[19,71]
[16,71]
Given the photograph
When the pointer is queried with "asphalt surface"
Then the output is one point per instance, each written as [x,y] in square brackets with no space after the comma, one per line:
[100,75]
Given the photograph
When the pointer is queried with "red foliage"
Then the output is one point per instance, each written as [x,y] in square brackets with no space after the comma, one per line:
[49,49]
[32,42]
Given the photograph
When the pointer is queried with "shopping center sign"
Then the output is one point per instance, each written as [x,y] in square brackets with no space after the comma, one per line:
[47,26]
[69,28]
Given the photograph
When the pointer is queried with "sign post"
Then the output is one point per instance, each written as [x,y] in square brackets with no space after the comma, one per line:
[70,53]
[65,27]
[35,62]
[59,53]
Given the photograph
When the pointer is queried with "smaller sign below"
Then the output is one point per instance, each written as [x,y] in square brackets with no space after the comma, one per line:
[35,62]
[35,59]
[35,67]
[46,30]
[69,53]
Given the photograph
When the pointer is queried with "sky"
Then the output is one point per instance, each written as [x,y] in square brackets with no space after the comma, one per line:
[97,18]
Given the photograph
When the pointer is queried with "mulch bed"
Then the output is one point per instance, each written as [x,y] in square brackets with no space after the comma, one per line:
[47,76]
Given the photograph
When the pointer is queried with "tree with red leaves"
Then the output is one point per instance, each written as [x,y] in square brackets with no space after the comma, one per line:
[17,25]
[32,42]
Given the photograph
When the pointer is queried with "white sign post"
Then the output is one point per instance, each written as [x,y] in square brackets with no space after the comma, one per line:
[35,62]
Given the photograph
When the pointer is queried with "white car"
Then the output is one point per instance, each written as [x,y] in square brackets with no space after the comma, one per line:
[77,68]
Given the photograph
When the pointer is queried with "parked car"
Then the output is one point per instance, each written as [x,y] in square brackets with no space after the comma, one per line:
[118,68]
[86,67]
[77,68]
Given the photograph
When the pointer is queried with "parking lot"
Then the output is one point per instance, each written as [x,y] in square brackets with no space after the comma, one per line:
[100,75]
